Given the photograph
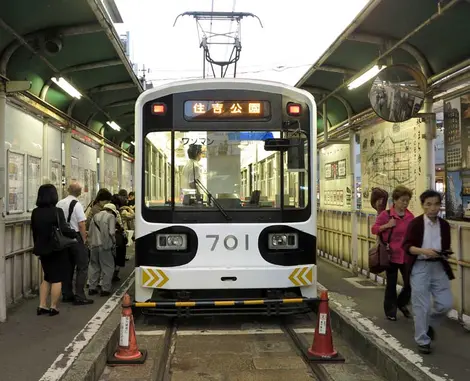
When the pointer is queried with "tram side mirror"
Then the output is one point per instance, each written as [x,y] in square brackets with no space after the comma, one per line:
[277,144]
[397,93]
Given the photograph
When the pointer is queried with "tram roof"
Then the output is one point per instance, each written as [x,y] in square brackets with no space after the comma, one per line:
[425,37]
[91,58]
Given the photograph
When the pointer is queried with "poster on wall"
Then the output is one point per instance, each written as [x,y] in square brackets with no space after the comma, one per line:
[34,180]
[335,178]
[457,157]
[15,182]
[75,169]
[391,155]
[55,173]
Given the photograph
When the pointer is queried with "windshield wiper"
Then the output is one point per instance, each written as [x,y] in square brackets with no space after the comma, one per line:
[216,203]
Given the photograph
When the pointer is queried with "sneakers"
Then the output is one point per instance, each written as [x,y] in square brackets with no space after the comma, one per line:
[425,349]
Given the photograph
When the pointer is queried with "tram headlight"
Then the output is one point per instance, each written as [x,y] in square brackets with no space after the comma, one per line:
[280,241]
[172,242]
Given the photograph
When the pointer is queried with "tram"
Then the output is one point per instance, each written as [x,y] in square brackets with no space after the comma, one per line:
[225,174]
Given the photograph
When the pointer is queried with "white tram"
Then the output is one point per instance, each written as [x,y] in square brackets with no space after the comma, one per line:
[225,176]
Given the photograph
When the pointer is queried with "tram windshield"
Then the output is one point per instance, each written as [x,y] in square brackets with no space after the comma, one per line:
[231,167]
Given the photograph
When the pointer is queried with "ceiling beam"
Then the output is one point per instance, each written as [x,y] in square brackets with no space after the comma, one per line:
[91,66]
[129,102]
[111,87]
[385,40]
[323,92]
[336,69]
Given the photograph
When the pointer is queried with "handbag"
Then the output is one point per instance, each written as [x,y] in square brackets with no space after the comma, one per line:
[379,255]
[61,242]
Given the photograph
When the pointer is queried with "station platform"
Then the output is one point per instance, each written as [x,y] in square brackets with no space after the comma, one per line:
[450,359]
[29,344]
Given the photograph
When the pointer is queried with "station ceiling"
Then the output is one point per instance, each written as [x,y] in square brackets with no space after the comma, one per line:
[73,39]
[435,38]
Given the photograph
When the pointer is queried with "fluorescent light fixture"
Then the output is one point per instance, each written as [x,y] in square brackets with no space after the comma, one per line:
[369,74]
[113,125]
[67,87]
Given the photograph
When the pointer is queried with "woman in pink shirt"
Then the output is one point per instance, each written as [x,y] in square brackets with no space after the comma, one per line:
[392,225]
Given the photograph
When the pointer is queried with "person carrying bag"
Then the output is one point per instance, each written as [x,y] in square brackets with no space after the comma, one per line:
[389,256]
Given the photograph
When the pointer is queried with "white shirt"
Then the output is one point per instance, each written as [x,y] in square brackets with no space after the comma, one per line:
[190,170]
[432,236]
[78,215]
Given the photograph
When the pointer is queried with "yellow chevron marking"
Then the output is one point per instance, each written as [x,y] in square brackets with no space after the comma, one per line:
[153,278]
[299,277]
[292,276]
[145,277]
[165,278]
[309,275]
[302,276]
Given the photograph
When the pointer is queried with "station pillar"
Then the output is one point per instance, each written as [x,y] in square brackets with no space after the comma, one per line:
[67,158]
[101,163]
[354,223]
[3,174]
[429,135]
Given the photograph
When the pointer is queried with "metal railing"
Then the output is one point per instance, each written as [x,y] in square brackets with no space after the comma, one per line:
[335,238]
[23,270]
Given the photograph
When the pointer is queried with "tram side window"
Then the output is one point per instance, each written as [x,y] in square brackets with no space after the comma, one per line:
[157,156]
[296,174]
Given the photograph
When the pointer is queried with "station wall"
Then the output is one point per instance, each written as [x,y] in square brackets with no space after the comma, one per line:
[36,147]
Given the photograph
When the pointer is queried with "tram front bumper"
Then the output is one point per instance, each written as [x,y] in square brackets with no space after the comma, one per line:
[219,285]
[206,278]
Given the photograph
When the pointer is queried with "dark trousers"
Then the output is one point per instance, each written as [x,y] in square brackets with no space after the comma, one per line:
[78,258]
[391,300]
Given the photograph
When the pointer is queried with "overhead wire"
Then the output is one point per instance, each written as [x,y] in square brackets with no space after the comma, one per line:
[277,69]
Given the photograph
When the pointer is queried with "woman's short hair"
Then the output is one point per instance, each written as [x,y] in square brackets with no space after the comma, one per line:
[103,195]
[117,201]
[401,191]
[47,196]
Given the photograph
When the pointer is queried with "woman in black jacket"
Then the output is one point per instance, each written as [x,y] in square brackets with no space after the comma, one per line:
[54,263]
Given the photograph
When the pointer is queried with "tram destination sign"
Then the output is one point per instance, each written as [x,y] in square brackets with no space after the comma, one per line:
[211,110]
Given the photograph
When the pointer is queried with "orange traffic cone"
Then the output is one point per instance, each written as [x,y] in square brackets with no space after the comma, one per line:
[127,353]
[322,349]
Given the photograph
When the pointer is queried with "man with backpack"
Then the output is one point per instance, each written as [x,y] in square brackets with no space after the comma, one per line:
[78,253]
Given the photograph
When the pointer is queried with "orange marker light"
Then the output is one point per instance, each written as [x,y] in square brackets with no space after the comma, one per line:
[293,109]
[158,109]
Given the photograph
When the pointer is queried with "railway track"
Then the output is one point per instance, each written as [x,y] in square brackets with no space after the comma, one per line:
[163,371]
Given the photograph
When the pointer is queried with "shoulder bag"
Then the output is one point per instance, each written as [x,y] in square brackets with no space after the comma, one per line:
[61,242]
[379,255]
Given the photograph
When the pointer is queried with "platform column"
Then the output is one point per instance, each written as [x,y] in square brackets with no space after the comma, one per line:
[101,163]
[3,106]
[354,232]
[67,158]
[429,156]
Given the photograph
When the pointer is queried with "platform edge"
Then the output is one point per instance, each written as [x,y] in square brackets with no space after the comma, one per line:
[389,363]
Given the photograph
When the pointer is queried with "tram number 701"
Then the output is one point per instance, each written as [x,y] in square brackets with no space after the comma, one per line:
[230,241]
